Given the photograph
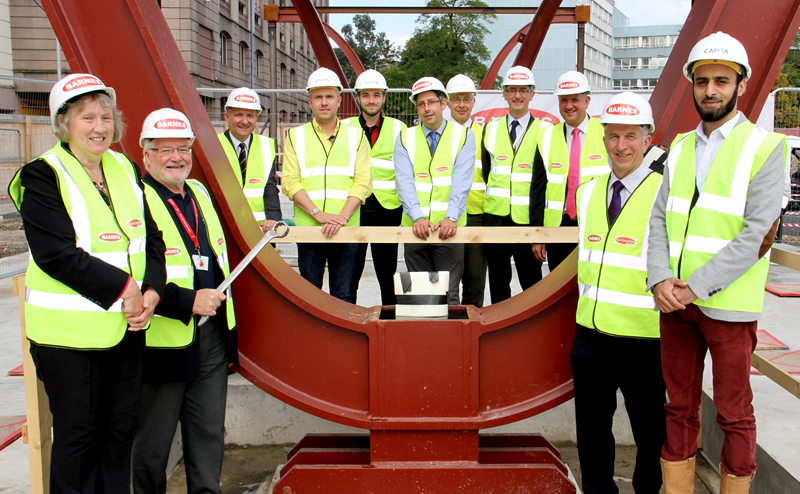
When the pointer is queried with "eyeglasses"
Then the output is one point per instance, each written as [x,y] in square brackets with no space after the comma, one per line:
[430,102]
[522,92]
[167,150]
[466,100]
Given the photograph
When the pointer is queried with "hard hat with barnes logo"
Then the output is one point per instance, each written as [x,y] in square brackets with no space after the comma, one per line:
[244,98]
[519,76]
[166,123]
[370,79]
[628,109]
[71,87]
[719,48]
[323,77]
[572,82]
[460,84]
[426,84]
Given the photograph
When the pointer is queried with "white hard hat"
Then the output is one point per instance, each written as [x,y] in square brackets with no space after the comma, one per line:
[73,86]
[718,48]
[628,109]
[371,79]
[460,84]
[323,77]
[166,123]
[244,98]
[572,82]
[519,76]
[426,84]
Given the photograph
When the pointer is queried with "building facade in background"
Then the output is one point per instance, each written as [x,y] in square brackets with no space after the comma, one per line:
[640,53]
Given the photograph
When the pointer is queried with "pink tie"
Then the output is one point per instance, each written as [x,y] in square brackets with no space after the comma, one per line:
[573,179]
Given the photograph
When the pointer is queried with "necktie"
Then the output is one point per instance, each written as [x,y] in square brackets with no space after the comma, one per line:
[243,160]
[433,138]
[616,202]
[573,179]
[513,134]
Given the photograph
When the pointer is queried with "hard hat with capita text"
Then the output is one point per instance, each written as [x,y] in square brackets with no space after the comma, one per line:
[426,84]
[572,82]
[323,77]
[628,109]
[719,48]
[244,98]
[460,84]
[72,86]
[370,79]
[519,76]
[166,123]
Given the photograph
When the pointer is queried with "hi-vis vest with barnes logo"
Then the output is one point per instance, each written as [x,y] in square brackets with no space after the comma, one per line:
[594,162]
[56,315]
[327,177]
[476,194]
[612,264]
[260,157]
[697,233]
[508,190]
[433,175]
[166,332]
[384,181]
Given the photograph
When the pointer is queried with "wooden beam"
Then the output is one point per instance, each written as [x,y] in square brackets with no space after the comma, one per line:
[785,258]
[782,378]
[466,234]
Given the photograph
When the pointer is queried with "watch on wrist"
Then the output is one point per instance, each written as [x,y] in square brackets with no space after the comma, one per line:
[314,211]
[454,220]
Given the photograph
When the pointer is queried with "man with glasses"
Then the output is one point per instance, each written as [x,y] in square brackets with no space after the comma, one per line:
[252,156]
[461,91]
[434,163]
[186,366]
[508,150]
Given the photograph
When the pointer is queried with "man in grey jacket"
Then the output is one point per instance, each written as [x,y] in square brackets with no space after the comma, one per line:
[713,220]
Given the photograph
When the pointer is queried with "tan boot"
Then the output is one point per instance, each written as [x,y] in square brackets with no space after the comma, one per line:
[678,476]
[731,484]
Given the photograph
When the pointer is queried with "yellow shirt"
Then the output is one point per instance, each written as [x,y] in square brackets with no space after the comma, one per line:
[362,181]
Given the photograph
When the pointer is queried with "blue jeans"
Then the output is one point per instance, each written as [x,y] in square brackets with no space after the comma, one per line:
[341,259]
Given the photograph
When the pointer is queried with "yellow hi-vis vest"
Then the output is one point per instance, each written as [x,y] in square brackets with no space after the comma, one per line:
[612,264]
[553,146]
[327,177]
[384,181]
[508,190]
[433,175]
[697,233]
[260,157]
[476,193]
[166,332]
[55,314]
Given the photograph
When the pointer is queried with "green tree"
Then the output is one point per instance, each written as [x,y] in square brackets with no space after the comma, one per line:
[373,49]
[787,103]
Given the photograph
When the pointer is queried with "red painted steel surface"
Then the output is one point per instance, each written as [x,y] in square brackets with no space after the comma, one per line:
[535,37]
[346,48]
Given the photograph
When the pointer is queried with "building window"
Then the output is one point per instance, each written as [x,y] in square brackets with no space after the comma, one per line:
[293,78]
[242,8]
[224,48]
[259,62]
[244,58]
[282,77]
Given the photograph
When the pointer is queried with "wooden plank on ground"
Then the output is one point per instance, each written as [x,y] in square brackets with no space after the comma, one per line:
[37,407]
[785,258]
[466,234]
[785,380]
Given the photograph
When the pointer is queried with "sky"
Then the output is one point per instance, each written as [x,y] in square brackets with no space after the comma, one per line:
[399,28]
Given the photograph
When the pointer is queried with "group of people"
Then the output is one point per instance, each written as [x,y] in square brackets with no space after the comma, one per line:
[683,232]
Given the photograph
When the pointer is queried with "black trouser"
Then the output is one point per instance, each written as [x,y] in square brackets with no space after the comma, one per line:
[498,257]
[473,282]
[556,253]
[384,256]
[94,398]
[601,364]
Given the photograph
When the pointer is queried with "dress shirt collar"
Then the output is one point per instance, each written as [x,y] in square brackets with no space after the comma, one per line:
[236,142]
[523,121]
[583,126]
[319,130]
[725,130]
[632,180]
[440,130]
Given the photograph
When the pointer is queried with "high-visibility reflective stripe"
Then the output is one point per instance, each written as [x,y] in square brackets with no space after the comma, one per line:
[616,298]
[555,205]
[454,144]
[501,170]
[675,249]
[478,186]
[328,194]
[320,171]
[116,259]
[672,158]
[613,259]
[425,211]
[411,143]
[594,170]
[586,195]
[202,189]
[260,215]
[498,192]
[137,245]
[556,179]
[384,185]
[137,191]
[382,163]
[678,205]
[521,177]
[80,216]
[491,138]
[222,259]
[546,140]
[720,204]
[253,192]
[438,206]
[478,164]
[178,272]
[520,200]
[300,147]
[705,244]
[353,142]
[424,186]
[73,303]
[442,181]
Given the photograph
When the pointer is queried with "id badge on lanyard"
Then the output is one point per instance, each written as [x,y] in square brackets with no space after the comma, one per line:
[200,262]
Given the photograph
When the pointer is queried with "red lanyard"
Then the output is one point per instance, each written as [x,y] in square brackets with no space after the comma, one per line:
[185,223]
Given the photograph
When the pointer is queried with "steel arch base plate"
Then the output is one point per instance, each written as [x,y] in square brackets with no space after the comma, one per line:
[464,463]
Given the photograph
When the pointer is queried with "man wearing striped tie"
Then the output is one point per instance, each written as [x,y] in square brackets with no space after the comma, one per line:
[252,156]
